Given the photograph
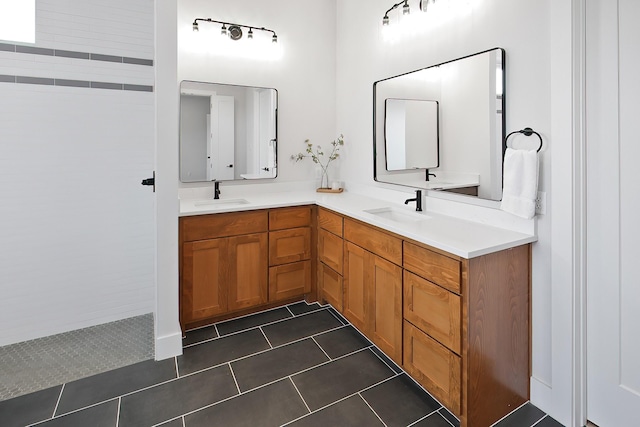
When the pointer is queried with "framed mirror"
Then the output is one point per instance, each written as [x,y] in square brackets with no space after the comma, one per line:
[410,134]
[227,132]
[461,149]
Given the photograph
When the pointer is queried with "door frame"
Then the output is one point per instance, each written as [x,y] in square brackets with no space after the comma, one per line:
[565,397]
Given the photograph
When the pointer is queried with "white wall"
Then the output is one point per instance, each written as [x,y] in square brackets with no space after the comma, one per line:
[76,226]
[472,135]
[304,75]
[523,29]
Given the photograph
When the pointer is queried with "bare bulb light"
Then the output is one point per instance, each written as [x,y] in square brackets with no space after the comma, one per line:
[195,26]
[274,39]
[385,20]
[405,9]
[223,31]
[250,34]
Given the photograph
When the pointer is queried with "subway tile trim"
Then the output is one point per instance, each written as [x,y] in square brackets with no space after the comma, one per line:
[74,83]
[33,50]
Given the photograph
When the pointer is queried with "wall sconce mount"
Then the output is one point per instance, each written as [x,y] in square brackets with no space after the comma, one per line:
[234,31]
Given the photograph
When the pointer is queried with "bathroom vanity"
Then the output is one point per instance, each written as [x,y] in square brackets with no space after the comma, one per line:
[446,299]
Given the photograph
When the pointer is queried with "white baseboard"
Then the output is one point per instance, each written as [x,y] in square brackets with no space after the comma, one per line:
[541,395]
[168,346]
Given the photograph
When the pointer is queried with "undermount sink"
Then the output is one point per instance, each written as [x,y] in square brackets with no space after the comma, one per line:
[397,215]
[221,202]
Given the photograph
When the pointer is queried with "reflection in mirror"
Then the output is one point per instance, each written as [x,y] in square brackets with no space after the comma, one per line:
[227,132]
[471,126]
[411,134]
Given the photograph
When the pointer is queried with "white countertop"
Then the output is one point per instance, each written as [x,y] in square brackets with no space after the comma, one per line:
[461,237]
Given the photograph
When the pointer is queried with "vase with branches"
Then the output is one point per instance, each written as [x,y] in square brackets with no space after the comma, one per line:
[317,155]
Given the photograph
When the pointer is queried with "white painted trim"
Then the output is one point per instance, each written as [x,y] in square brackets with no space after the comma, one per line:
[166,346]
[542,391]
[561,400]
[167,326]
[579,386]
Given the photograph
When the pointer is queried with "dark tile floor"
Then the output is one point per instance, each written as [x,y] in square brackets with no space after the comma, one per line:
[300,365]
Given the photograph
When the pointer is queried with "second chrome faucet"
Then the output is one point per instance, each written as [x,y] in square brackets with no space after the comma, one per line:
[417,199]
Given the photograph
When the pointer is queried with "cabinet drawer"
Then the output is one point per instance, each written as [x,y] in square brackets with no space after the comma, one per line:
[289,280]
[433,309]
[434,366]
[330,250]
[374,240]
[202,227]
[332,290]
[286,246]
[330,221]
[282,218]
[436,268]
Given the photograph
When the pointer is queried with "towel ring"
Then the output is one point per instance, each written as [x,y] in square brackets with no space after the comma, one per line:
[526,132]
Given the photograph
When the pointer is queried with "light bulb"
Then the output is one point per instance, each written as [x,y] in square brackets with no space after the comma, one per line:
[385,20]
[223,31]
[405,9]
[250,34]
[195,26]
[274,39]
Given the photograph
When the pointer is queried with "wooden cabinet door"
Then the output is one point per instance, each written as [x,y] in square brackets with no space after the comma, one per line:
[384,295]
[356,277]
[331,285]
[248,258]
[205,279]
[286,246]
[289,280]
[433,309]
[330,250]
[434,366]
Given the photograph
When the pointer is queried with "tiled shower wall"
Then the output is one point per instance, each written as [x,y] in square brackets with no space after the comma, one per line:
[76,139]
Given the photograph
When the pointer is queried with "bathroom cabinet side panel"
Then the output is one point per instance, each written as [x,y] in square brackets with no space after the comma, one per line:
[497,345]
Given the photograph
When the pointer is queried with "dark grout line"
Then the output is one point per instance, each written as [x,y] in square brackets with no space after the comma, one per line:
[234,379]
[512,412]
[445,418]
[343,399]
[255,327]
[289,310]
[381,359]
[371,408]
[80,409]
[320,347]
[265,337]
[58,401]
[299,394]
[427,416]
[539,421]
[118,414]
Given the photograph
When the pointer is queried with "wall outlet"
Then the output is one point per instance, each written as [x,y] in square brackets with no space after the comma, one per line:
[541,203]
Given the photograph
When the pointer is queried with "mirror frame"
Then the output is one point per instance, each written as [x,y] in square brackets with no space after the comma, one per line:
[277,95]
[386,143]
[502,127]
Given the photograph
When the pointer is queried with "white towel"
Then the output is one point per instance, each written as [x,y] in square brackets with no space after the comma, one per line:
[520,182]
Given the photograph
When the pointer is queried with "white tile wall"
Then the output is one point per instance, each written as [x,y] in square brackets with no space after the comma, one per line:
[77,230]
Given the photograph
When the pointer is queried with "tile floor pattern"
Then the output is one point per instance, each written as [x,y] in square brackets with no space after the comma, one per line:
[37,364]
[299,365]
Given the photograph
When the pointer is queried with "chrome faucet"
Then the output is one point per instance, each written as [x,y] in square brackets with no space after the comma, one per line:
[216,190]
[417,199]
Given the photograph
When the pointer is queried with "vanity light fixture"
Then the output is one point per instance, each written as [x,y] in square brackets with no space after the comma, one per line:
[406,9]
[234,31]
